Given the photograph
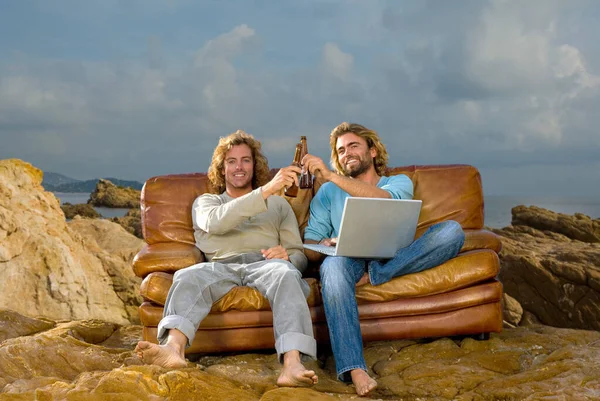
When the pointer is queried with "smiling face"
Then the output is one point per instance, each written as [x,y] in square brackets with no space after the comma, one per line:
[354,154]
[238,169]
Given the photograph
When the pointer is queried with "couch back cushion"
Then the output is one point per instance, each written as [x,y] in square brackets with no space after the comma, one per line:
[166,203]
[448,192]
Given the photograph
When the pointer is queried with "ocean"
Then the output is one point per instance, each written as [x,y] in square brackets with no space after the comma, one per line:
[497,208]
[75,198]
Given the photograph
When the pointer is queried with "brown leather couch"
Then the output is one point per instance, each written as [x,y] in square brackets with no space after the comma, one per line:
[459,297]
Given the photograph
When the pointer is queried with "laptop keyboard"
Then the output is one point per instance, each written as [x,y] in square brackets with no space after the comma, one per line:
[324,249]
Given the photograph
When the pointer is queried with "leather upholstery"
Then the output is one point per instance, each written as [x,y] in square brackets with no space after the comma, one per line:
[461,296]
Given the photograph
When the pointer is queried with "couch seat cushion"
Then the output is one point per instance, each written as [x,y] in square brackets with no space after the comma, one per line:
[155,288]
[462,271]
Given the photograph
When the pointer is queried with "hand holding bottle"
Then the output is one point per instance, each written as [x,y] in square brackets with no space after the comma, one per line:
[316,166]
[286,177]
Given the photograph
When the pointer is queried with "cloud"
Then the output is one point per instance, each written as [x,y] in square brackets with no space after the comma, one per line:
[336,63]
[497,84]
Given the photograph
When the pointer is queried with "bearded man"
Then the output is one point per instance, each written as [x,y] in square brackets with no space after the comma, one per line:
[360,159]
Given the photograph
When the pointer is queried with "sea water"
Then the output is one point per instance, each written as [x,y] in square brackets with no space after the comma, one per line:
[75,198]
[497,208]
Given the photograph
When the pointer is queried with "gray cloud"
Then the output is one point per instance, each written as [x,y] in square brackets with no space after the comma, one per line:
[508,86]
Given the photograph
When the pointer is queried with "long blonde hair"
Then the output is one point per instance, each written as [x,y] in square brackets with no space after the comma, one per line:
[370,136]
[261,164]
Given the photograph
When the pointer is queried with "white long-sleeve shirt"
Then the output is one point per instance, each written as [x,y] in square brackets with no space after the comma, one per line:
[226,226]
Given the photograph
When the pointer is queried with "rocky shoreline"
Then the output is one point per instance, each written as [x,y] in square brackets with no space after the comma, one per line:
[69,321]
[93,360]
[107,194]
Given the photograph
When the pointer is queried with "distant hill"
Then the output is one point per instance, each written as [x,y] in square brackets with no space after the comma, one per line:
[57,179]
[54,182]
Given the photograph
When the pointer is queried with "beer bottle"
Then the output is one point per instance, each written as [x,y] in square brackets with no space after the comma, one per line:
[306,179]
[292,191]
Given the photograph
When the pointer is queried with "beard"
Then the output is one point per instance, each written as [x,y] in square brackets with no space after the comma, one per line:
[357,169]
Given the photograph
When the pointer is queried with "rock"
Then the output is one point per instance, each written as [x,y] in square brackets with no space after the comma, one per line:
[108,194]
[513,311]
[93,360]
[81,209]
[45,267]
[578,226]
[116,248]
[554,275]
[13,324]
[132,222]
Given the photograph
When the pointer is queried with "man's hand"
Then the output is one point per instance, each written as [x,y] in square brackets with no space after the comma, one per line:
[276,252]
[316,166]
[328,241]
[285,177]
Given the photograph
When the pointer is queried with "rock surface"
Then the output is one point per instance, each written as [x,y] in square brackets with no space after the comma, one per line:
[550,263]
[578,227]
[80,209]
[115,248]
[108,194]
[46,268]
[132,222]
[93,360]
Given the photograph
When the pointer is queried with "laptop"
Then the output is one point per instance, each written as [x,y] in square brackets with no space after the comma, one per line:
[374,228]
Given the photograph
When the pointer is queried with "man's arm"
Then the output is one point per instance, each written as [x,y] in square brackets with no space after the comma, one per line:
[214,217]
[398,187]
[357,188]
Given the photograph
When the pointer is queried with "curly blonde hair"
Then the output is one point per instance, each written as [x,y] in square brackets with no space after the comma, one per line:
[380,161]
[261,164]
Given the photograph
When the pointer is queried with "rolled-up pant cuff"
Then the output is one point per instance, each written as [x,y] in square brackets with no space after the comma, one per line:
[306,345]
[344,374]
[176,322]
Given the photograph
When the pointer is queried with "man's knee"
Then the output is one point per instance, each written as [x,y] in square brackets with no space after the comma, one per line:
[455,231]
[189,275]
[453,234]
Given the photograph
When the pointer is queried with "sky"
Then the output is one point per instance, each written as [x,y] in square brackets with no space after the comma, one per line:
[138,88]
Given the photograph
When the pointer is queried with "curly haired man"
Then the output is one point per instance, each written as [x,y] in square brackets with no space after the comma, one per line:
[249,237]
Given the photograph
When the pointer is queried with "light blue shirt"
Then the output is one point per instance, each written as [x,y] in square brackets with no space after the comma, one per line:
[328,204]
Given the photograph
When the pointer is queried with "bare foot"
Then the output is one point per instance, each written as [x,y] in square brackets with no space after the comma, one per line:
[363,280]
[297,376]
[166,355]
[294,374]
[363,383]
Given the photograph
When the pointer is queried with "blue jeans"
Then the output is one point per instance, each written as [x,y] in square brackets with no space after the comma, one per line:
[340,274]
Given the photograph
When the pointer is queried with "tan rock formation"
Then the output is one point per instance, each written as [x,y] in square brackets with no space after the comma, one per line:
[45,267]
[93,360]
[108,194]
[115,248]
[554,275]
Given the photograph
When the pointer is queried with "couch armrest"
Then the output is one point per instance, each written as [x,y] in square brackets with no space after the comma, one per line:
[165,257]
[481,239]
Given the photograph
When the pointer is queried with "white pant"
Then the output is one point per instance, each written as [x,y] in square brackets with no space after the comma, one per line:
[197,287]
